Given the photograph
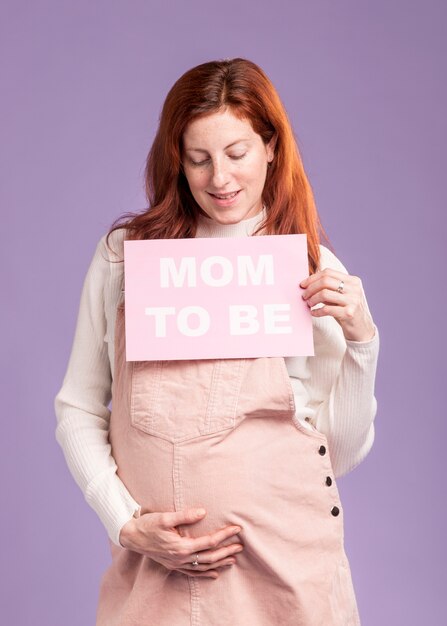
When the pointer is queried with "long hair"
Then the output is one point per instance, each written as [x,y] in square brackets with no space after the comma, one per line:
[242,87]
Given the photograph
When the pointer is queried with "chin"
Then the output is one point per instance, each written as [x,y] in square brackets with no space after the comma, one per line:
[227,219]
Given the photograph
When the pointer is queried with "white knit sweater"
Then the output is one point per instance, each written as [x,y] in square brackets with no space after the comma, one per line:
[334,390]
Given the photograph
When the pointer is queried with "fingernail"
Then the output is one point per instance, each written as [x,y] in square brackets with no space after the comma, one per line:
[200,511]
[237,529]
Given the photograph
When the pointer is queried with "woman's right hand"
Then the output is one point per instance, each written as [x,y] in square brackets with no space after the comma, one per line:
[155,535]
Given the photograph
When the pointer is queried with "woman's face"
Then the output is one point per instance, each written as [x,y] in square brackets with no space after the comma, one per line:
[225,164]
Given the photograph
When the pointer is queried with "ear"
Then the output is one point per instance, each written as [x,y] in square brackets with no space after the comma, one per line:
[270,148]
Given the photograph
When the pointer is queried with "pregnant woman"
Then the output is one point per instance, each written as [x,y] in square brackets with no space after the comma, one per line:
[216,479]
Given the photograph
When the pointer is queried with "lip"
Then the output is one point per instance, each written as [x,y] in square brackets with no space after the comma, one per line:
[224,202]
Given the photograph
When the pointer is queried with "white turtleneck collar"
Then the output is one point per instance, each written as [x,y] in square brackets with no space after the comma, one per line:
[207,227]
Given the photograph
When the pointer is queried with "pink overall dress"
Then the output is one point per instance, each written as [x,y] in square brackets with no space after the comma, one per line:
[221,434]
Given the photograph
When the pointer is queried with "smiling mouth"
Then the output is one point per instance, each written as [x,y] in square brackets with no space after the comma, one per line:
[225,196]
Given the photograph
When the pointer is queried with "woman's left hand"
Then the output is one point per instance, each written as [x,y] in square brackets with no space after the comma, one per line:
[343,298]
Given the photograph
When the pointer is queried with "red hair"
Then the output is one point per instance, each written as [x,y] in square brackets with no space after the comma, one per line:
[242,87]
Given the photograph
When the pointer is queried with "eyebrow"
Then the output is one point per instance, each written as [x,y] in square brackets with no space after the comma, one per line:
[226,147]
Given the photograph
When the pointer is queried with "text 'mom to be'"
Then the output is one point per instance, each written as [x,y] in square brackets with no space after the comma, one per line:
[218,272]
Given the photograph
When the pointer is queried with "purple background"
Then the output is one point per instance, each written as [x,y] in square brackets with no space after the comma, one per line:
[83,84]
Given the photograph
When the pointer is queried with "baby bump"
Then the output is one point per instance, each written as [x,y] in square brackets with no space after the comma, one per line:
[219,434]
[264,475]
[271,479]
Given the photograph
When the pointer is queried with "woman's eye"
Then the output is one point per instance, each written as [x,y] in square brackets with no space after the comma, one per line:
[236,157]
[198,163]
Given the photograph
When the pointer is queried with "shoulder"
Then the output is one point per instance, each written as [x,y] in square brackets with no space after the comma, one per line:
[106,268]
[329,260]
[111,247]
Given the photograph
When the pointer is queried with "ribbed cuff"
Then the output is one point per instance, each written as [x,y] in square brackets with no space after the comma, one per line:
[365,345]
[114,505]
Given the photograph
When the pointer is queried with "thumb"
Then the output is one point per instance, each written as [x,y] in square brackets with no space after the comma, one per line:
[187,516]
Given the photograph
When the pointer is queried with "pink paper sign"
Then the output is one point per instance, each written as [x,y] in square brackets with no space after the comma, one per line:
[210,298]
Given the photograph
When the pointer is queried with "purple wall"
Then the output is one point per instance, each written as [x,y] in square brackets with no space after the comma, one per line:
[83,83]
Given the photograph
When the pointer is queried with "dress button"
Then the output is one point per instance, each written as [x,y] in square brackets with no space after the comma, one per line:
[335,511]
[328,481]
[322,450]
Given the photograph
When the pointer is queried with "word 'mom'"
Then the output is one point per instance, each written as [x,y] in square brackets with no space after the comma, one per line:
[185,274]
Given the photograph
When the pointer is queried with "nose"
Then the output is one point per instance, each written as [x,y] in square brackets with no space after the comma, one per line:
[220,174]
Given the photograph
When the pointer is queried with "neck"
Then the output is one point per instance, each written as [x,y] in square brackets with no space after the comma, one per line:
[207,227]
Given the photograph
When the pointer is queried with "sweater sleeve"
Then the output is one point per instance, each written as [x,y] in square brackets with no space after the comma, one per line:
[340,387]
[81,406]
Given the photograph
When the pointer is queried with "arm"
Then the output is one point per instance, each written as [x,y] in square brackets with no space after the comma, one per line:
[82,405]
[340,385]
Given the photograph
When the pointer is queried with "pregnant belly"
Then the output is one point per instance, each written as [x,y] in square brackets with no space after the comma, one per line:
[265,475]
[270,478]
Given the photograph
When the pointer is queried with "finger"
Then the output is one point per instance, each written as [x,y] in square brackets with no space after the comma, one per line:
[327,271]
[217,555]
[325,282]
[327,296]
[198,574]
[205,567]
[338,312]
[212,540]
[175,518]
